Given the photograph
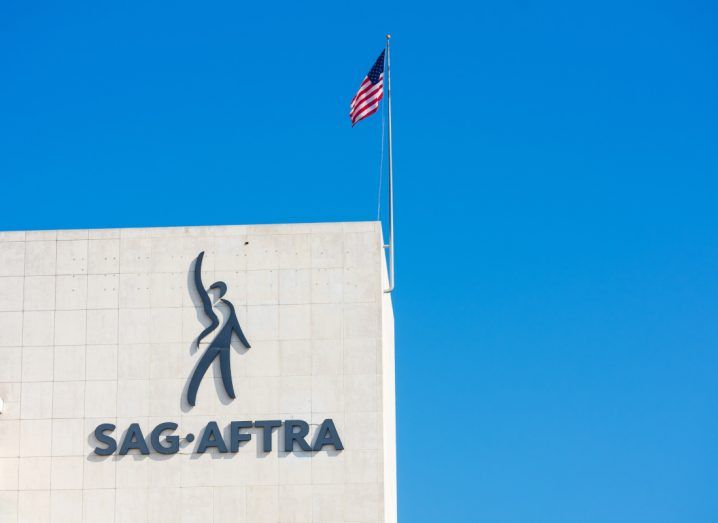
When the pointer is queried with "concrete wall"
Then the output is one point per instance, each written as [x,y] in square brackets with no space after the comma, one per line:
[98,326]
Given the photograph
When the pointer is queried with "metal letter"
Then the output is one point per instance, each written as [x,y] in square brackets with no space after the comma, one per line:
[267,425]
[107,440]
[327,435]
[212,437]
[134,439]
[290,436]
[235,437]
[173,441]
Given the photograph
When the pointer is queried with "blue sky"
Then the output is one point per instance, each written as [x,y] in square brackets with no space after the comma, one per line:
[557,253]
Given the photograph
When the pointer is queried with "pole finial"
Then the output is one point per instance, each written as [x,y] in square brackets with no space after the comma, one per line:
[388,36]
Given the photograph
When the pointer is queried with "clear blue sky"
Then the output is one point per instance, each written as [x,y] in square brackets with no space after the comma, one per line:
[556,179]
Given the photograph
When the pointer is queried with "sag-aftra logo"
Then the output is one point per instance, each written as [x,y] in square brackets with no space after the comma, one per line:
[164,440]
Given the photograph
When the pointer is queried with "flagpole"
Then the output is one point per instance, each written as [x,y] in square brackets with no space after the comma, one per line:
[390,246]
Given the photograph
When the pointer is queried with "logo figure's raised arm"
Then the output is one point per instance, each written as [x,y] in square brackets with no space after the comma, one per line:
[204,296]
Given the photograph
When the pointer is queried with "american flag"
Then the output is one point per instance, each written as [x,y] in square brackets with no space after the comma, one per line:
[371,91]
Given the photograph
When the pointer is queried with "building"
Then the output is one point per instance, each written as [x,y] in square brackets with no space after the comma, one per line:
[98,350]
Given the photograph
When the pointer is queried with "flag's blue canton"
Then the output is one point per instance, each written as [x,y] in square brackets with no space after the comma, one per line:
[377,69]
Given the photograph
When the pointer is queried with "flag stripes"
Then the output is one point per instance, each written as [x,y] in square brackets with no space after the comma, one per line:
[371,91]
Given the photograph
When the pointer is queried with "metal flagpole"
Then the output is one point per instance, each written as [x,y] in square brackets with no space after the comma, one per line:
[390,246]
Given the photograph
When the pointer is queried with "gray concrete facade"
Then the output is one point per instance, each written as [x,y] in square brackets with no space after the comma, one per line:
[98,326]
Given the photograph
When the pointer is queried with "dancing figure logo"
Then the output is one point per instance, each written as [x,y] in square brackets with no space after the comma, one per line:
[219,347]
